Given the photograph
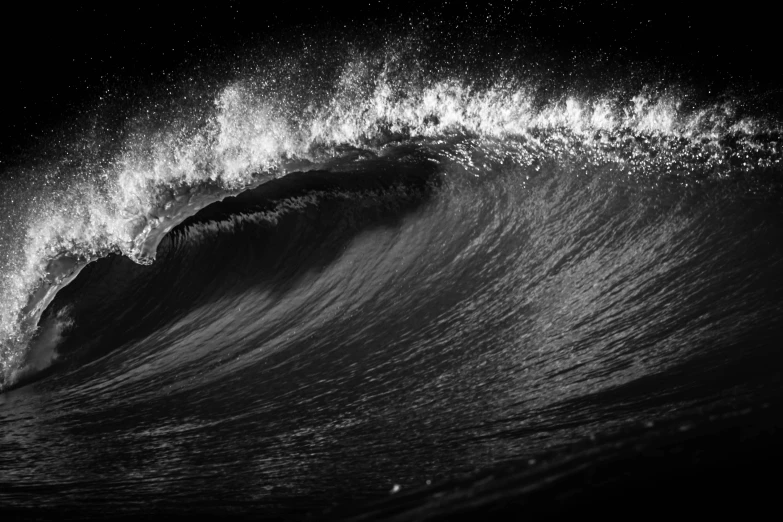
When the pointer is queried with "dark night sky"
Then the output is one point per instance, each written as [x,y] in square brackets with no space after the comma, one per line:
[57,60]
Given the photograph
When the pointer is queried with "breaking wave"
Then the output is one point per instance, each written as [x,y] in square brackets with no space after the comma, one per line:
[394,254]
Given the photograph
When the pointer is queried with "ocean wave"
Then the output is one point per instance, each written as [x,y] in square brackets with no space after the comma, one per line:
[94,200]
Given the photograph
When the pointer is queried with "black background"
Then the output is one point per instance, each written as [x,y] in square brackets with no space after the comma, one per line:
[58,60]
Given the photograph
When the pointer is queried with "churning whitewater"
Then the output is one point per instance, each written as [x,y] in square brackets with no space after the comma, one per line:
[372,271]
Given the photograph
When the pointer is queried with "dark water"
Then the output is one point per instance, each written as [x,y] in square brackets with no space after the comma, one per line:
[401,286]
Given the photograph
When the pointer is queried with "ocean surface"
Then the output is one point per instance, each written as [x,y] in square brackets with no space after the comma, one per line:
[321,285]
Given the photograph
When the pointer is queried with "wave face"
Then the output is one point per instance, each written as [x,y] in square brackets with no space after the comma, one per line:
[392,278]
